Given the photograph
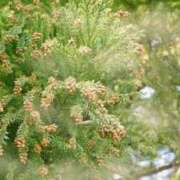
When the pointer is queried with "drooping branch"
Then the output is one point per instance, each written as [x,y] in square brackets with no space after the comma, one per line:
[148,172]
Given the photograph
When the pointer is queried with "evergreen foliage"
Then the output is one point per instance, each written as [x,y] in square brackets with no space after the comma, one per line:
[71,74]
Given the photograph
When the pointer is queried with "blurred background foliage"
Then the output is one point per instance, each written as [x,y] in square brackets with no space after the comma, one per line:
[129,4]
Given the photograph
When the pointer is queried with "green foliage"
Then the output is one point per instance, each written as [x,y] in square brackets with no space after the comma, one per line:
[70,75]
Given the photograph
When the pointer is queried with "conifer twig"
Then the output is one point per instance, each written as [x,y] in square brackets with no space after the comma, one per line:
[85,122]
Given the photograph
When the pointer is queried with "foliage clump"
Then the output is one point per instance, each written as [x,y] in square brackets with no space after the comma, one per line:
[70,76]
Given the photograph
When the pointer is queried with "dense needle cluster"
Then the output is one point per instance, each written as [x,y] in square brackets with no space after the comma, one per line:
[70,76]
[110,127]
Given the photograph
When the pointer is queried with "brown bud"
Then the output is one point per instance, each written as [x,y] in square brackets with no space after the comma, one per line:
[23,157]
[45,142]
[37,148]
[20,142]
[43,171]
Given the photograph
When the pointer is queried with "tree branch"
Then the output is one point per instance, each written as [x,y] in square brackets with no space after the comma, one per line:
[153,170]
[85,122]
[156,170]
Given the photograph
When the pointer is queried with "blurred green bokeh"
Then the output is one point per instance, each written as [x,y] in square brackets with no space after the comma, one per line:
[129,4]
